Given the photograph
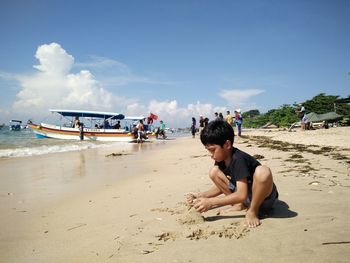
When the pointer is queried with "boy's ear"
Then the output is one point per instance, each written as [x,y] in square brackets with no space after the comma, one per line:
[228,145]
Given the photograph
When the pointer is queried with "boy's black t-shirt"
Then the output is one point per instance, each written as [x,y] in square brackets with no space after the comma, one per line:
[242,166]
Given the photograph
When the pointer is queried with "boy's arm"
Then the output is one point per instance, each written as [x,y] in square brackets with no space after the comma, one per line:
[239,196]
[212,192]
[203,204]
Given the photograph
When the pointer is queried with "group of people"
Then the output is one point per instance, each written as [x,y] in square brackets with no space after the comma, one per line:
[140,130]
[235,120]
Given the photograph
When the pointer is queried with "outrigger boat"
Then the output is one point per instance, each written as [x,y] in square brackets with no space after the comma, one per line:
[16,125]
[92,125]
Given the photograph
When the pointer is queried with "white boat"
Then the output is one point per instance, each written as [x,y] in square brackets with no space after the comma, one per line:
[16,125]
[89,125]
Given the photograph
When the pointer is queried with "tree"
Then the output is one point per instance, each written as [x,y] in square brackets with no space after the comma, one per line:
[251,113]
[321,103]
[286,115]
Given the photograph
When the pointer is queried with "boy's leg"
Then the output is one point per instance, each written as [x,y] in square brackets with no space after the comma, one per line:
[262,187]
[221,183]
[220,180]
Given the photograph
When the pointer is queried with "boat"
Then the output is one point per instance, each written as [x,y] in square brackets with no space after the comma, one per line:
[16,125]
[90,125]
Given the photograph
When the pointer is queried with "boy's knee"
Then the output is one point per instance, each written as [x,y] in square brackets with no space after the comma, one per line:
[263,174]
[214,172]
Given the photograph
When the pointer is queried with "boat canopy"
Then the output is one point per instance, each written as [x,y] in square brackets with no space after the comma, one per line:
[134,118]
[329,116]
[16,121]
[91,114]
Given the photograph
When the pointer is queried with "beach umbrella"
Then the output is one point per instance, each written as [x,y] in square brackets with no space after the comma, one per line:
[313,117]
[330,116]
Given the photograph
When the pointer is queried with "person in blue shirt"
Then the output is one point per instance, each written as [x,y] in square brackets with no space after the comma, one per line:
[238,121]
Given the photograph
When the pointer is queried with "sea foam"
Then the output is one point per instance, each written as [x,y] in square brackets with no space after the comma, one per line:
[47,149]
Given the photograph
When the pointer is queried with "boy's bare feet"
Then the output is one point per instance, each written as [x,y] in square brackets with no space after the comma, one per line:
[251,219]
[235,207]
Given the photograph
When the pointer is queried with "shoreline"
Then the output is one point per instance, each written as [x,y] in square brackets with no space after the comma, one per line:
[130,207]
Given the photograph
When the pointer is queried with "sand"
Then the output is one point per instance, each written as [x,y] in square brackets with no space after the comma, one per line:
[107,205]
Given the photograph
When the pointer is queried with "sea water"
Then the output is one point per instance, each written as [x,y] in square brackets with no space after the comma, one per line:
[24,143]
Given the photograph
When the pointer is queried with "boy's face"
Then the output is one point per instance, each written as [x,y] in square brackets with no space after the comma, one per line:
[219,153]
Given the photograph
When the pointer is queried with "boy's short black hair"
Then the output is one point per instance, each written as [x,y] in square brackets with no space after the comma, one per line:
[217,132]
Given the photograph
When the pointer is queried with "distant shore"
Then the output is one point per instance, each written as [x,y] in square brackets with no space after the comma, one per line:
[107,205]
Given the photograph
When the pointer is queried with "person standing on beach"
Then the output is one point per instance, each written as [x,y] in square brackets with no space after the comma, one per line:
[140,131]
[229,118]
[216,116]
[244,182]
[302,111]
[238,121]
[193,127]
[206,121]
[76,122]
[201,123]
[161,130]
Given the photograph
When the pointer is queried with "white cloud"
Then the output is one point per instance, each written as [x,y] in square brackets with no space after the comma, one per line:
[239,97]
[206,109]
[53,85]
[53,59]
[135,109]
[103,63]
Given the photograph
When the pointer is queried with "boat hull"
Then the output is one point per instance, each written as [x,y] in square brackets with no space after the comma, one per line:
[67,133]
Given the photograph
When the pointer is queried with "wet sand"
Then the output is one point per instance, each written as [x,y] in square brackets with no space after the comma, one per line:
[96,206]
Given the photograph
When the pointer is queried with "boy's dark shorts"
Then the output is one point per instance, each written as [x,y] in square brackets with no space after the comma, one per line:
[269,201]
[267,204]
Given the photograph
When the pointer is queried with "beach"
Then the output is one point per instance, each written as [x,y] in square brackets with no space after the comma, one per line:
[112,205]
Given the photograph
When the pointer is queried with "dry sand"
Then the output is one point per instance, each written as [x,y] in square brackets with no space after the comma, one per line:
[91,206]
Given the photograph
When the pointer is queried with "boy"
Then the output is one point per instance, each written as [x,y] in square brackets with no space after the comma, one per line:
[240,177]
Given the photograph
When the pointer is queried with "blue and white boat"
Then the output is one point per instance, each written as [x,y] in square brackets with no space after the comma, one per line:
[16,125]
[89,125]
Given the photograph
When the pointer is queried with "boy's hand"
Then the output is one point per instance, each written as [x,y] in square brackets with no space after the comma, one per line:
[190,197]
[202,204]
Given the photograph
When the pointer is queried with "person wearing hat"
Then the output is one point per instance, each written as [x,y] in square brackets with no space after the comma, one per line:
[238,121]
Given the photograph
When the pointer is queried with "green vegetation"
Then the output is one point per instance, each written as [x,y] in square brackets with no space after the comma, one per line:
[287,114]
[325,103]
[281,117]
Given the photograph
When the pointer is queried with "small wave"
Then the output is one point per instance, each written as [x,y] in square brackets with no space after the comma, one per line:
[46,149]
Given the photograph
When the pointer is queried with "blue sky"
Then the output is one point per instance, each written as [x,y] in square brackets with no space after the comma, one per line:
[177,59]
